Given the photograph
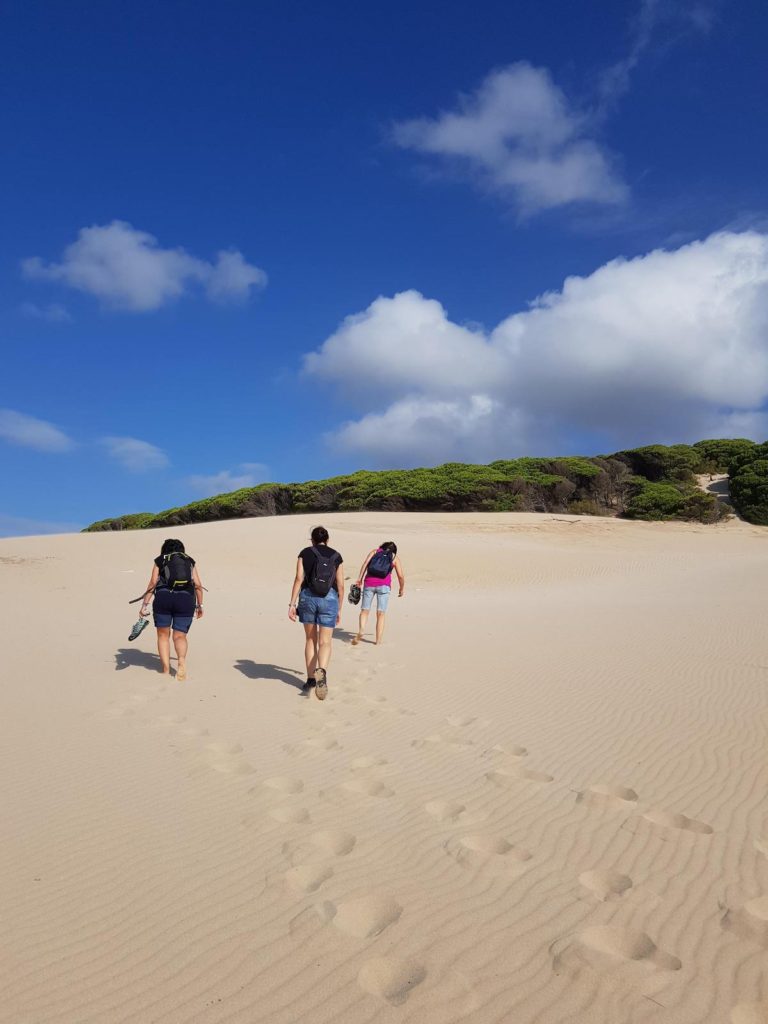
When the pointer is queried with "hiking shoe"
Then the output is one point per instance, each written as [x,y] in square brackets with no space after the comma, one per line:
[138,626]
[307,687]
[321,684]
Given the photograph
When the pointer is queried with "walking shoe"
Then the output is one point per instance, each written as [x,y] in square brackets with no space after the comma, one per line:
[306,687]
[138,626]
[321,684]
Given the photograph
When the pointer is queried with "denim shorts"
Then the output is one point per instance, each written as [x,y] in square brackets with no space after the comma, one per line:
[320,611]
[174,609]
[382,598]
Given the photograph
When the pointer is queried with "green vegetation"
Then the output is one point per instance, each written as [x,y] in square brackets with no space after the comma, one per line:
[654,482]
[749,483]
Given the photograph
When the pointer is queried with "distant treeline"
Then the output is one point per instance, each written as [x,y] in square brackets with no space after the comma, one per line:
[655,482]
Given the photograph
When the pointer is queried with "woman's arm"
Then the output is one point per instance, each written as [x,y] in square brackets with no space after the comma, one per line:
[298,580]
[198,591]
[364,566]
[149,593]
[400,575]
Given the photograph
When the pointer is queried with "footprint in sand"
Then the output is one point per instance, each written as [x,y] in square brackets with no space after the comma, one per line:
[505,778]
[436,740]
[368,787]
[761,845]
[307,877]
[225,758]
[167,721]
[444,810]
[284,784]
[334,841]
[606,884]
[510,750]
[460,721]
[290,814]
[678,821]
[118,712]
[323,743]
[749,921]
[487,853]
[617,797]
[363,918]
[390,979]
[364,763]
[750,1013]
[625,944]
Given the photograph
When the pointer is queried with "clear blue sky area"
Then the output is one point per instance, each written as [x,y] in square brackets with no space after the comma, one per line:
[276,130]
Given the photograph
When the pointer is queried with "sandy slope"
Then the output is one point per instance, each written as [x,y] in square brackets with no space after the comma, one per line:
[543,800]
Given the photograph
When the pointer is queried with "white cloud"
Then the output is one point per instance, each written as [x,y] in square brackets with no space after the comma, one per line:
[248,474]
[127,269]
[20,526]
[53,312]
[676,19]
[29,432]
[134,454]
[669,345]
[520,136]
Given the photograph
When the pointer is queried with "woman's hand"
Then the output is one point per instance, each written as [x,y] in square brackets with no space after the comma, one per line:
[359,582]
[292,612]
[144,613]
[199,611]
[338,618]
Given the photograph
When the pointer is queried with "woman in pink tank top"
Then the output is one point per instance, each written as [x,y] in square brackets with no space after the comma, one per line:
[375,579]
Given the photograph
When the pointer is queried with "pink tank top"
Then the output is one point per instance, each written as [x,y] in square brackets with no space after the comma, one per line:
[377,581]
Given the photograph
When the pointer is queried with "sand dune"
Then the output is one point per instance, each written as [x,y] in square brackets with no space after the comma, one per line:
[543,799]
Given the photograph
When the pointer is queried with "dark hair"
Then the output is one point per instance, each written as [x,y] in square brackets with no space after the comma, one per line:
[389,545]
[319,535]
[169,546]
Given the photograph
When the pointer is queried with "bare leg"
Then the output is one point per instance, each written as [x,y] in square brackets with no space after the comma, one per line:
[361,627]
[310,648]
[164,648]
[379,626]
[180,646]
[324,652]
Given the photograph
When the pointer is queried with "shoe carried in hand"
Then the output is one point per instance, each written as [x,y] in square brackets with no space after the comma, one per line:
[138,626]
[354,594]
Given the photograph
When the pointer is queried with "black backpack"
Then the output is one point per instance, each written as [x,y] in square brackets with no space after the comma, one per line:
[176,571]
[380,565]
[322,576]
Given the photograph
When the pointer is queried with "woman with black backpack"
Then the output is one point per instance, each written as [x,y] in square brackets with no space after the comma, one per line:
[178,599]
[376,581]
[318,590]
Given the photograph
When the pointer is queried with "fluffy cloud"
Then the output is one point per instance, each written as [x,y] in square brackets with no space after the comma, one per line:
[134,454]
[519,135]
[127,269]
[248,474]
[670,345]
[17,428]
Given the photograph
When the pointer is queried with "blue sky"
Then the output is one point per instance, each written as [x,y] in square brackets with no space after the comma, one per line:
[280,240]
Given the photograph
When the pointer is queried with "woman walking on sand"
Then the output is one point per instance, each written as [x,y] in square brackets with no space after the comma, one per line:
[178,598]
[375,578]
[318,590]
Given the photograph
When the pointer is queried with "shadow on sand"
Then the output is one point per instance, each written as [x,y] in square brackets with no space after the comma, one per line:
[254,670]
[127,656]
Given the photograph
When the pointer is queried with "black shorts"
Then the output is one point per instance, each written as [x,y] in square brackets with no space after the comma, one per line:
[174,608]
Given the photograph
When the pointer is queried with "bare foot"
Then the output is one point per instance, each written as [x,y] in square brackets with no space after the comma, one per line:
[164,671]
[181,673]
[356,640]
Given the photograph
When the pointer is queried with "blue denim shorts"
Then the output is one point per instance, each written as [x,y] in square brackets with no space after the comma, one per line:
[320,611]
[174,610]
[382,598]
